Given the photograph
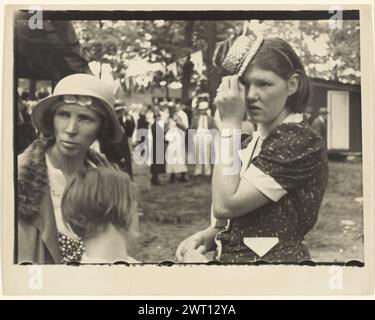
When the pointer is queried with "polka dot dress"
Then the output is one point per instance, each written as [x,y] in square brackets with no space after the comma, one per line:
[71,249]
[295,156]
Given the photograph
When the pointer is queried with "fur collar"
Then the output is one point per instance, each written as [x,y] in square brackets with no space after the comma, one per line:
[33,177]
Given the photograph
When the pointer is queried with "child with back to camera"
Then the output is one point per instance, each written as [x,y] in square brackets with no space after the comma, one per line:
[99,205]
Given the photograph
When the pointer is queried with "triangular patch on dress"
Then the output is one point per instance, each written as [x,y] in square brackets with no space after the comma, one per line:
[261,245]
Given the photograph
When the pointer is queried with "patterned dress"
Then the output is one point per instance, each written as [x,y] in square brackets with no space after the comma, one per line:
[295,157]
[71,249]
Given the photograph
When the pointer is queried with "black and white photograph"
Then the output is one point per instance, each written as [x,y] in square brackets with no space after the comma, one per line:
[188,138]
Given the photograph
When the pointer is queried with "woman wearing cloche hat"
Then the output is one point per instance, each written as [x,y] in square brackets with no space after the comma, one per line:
[264,209]
[79,111]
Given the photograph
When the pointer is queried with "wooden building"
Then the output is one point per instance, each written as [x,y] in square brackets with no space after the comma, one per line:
[339,105]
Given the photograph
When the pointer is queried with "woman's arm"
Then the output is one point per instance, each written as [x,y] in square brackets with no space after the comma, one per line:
[276,170]
[232,196]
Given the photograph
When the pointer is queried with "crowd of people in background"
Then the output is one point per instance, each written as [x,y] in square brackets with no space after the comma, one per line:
[174,119]
[163,116]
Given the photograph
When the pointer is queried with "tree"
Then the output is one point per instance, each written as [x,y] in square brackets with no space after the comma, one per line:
[187,69]
[325,52]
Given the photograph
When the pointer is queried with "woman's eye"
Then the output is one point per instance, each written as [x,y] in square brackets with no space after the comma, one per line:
[63,114]
[263,84]
[86,119]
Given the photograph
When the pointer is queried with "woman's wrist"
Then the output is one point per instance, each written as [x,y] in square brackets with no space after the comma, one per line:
[209,235]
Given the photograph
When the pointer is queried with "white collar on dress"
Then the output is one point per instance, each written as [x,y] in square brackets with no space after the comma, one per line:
[257,135]
[294,117]
[56,175]
[291,118]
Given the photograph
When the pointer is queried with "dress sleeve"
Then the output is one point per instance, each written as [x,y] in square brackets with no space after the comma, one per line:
[265,183]
[290,155]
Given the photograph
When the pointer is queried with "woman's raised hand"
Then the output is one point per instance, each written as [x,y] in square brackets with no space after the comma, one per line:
[230,101]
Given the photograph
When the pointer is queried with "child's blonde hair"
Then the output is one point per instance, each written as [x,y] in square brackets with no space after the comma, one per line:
[96,197]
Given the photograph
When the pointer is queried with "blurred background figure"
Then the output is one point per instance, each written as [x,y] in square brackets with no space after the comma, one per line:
[177,125]
[28,101]
[157,130]
[126,120]
[164,111]
[202,122]
[315,119]
[188,110]
[149,115]
[43,93]
[26,132]
[121,152]
[141,124]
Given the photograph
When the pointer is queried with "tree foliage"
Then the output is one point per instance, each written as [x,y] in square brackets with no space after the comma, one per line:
[326,53]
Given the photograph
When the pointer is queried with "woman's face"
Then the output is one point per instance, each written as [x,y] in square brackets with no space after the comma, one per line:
[266,94]
[76,128]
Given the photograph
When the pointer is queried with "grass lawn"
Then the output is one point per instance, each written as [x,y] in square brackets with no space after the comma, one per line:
[338,234]
[171,212]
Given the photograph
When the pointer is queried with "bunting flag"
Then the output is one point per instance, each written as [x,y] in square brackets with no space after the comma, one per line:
[116,86]
[173,67]
[180,65]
